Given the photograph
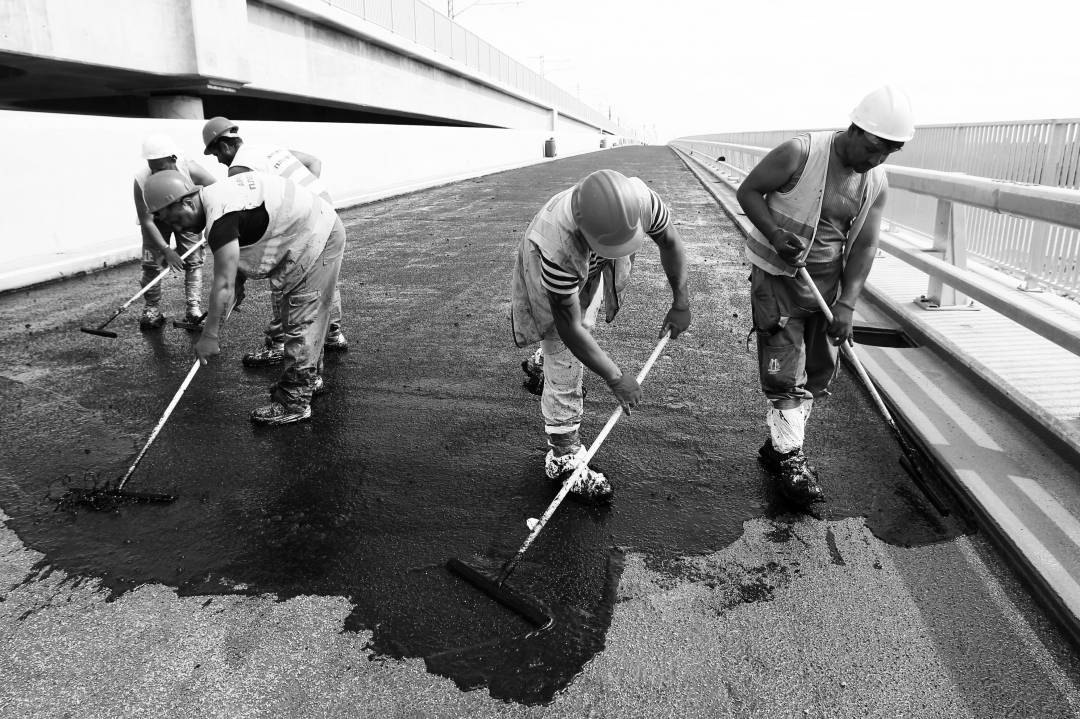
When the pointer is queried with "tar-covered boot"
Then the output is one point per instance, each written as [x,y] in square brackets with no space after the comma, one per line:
[151,318]
[272,353]
[335,341]
[193,319]
[795,478]
[564,458]
[533,367]
[782,454]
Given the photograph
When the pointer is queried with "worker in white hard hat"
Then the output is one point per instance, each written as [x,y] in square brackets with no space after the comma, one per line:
[222,139]
[815,201]
[580,247]
[266,227]
[159,153]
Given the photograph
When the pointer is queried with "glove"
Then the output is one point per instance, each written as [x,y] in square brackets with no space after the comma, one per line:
[677,320]
[788,245]
[626,390]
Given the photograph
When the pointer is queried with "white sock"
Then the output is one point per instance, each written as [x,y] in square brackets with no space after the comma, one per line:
[787,428]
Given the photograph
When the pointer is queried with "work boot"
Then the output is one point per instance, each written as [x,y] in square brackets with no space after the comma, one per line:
[533,367]
[277,413]
[590,484]
[268,355]
[151,318]
[796,479]
[193,319]
[335,342]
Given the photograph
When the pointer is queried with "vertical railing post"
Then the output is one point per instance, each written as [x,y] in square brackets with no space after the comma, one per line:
[1050,174]
[949,245]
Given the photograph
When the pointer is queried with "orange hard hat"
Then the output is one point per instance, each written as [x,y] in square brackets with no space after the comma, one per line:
[215,128]
[608,212]
[166,187]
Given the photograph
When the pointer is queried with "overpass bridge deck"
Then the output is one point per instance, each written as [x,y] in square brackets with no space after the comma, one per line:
[427,447]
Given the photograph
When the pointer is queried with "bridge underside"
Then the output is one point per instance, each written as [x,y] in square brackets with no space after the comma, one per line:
[289,60]
[50,85]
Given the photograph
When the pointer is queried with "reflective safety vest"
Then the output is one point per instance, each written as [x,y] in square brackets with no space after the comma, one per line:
[279,161]
[299,222]
[799,209]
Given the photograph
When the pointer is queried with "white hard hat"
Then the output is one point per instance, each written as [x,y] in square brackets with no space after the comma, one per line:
[886,113]
[157,146]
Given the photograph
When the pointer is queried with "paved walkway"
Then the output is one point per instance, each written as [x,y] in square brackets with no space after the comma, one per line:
[994,405]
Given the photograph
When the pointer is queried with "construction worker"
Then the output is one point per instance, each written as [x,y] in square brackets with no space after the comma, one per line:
[160,153]
[266,227]
[580,247]
[815,201]
[222,139]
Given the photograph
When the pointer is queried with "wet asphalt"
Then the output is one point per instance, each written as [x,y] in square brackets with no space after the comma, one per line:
[427,447]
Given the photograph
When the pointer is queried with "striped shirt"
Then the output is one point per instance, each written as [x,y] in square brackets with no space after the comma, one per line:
[559,281]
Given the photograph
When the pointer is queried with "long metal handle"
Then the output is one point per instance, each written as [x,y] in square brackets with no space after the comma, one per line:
[849,351]
[168,411]
[573,479]
[160,276]
[161,423]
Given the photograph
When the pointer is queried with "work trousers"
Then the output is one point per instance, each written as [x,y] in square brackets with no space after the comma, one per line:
[796,360]
[307,297]
[274,334]
[152,266]
[561,404]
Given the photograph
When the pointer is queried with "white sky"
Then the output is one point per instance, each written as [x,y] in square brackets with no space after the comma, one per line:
[699,66]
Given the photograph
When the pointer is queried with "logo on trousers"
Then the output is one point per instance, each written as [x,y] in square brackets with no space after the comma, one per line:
[774,366]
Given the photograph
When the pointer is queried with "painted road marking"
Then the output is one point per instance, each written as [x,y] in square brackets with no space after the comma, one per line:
[1041,558]
[962,419]
[1049,506]
[926,428]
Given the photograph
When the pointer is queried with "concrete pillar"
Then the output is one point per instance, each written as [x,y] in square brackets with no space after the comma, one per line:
[177,107]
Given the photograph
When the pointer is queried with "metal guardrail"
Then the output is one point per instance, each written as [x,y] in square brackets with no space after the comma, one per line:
[945,260]
[1041,152]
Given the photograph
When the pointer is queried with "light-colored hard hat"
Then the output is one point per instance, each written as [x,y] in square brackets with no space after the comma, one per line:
[215,128]
[608,213]
[166,187]
[886,112]
[158,146]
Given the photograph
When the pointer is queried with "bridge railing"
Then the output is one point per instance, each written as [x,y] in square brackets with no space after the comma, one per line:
[1039,152]
[419,22]
[954,194]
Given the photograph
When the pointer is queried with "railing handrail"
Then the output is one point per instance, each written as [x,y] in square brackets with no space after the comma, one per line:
[1057,205]
[1048,204]
[937,126]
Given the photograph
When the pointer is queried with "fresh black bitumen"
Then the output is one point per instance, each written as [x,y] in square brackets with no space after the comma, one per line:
[426,447]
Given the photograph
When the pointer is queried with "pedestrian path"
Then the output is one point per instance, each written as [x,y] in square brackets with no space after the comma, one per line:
[995,406]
